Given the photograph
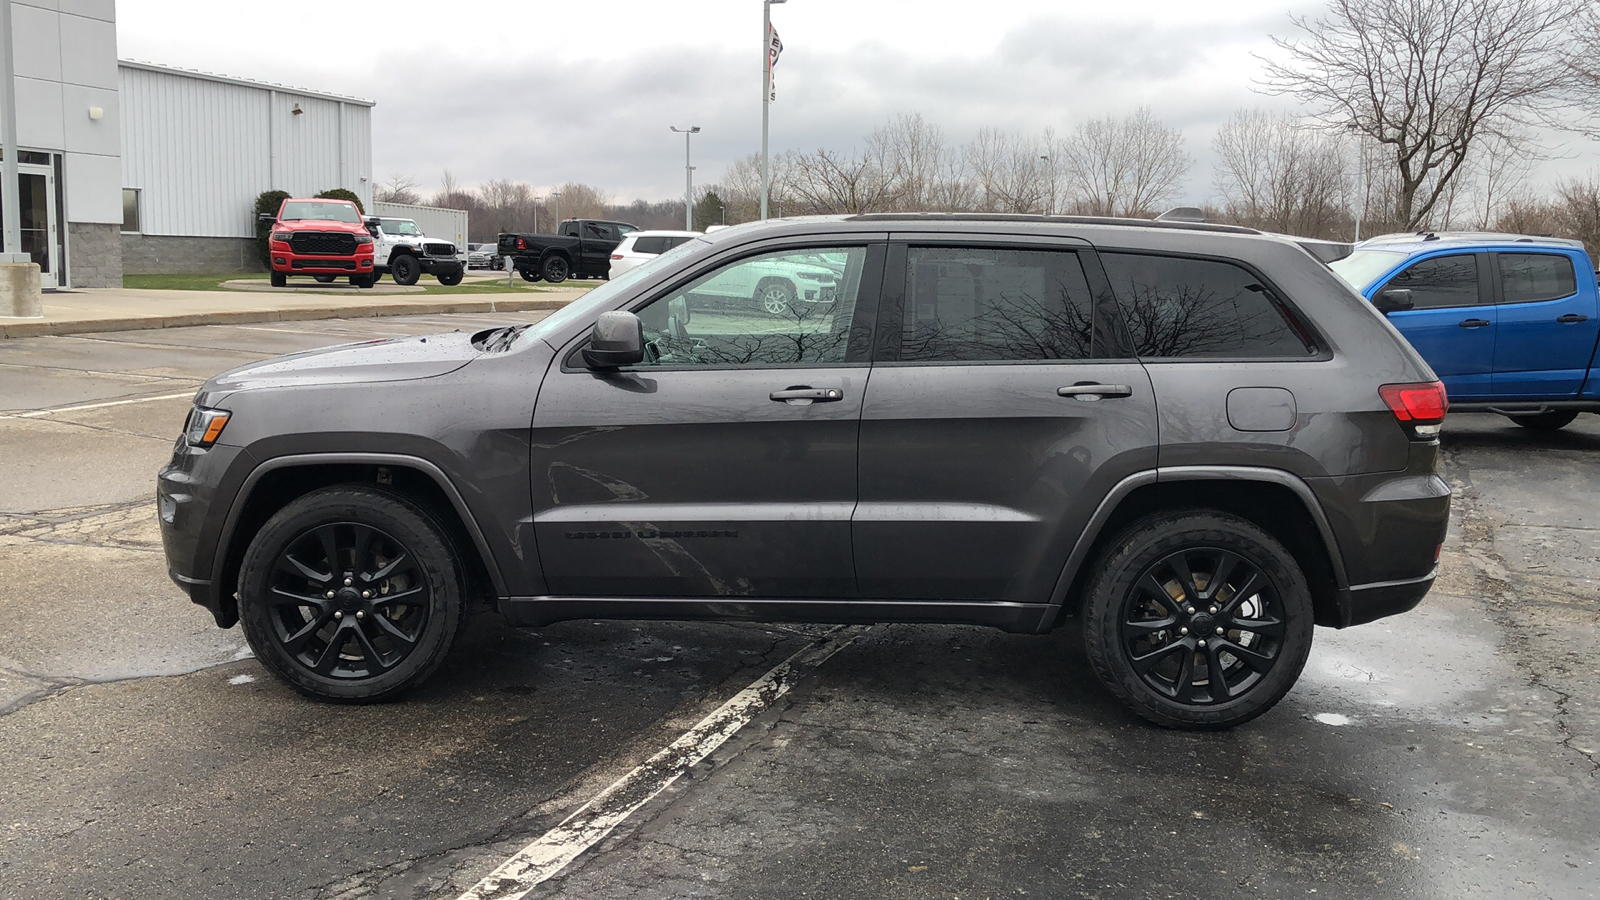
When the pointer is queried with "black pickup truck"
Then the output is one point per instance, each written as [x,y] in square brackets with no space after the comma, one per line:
[582,249]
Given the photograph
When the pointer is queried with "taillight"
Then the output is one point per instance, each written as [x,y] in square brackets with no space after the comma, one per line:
[1422,405]
[522,244]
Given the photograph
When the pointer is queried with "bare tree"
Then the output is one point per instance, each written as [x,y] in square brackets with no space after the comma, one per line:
[1273,174]
[398,189]
[1010,172]
[1124,167]
[581,201]
[828,181]
[929,173]
[1430,80]
[1577,210]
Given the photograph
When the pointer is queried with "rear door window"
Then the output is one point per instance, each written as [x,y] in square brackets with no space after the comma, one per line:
[649,245]
[1531,277]
[970,304]
[1177,307]
[1440,282]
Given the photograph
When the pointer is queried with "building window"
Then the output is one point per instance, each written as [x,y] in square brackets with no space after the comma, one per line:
[130,210]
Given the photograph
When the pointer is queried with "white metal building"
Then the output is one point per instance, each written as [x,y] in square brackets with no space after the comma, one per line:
[435,221]
[197,149]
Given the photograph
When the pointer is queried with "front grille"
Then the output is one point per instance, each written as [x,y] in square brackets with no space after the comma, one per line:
[324,264]
[439,249]
[322,242]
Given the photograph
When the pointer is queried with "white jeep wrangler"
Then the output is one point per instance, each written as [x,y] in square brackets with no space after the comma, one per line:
[403,251]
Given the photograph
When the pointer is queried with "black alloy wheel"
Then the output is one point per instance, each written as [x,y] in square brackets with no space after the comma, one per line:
[555,269]
[451,278]
[1553,420]
[1199,620]
[351,594]
[405,270]
[529,274]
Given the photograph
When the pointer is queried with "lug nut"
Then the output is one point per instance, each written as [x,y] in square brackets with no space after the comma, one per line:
[1219,629]
[1183,631]
[1189,610]
[348,582]
[1213,610]
[361,614]
[329,595]
[338,615]
[1201,643]
[366,595]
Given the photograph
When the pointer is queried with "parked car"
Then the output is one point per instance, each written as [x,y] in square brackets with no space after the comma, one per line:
[779,286]
[1509,322]
[641,246]
[581,249]
[479,256]
[322,238]
[1196,439]
[405,253]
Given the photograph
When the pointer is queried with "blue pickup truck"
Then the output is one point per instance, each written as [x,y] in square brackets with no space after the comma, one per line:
[1509,322]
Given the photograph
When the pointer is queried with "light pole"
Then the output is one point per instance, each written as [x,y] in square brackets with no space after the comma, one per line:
[1361,172]
[766,98]
[688,176]
[556,215]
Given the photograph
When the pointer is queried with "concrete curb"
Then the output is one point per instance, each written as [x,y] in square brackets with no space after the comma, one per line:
[247,316]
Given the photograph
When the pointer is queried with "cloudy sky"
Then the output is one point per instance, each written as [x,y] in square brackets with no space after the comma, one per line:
[549,91]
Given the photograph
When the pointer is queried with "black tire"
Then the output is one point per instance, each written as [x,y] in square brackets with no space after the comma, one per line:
[1145,645]
[323,279]
[280,280]
[405,270]
[555,269]
[775,297]
[451,278]
[529,274]
[1554,420]
[350,647]
[363,281]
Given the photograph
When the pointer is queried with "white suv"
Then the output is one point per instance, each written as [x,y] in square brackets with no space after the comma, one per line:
[643,246]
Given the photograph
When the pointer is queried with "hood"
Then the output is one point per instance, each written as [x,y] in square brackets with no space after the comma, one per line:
[321,225]
[396,359]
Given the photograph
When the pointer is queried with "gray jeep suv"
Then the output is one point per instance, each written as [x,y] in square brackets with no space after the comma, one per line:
[1194,439]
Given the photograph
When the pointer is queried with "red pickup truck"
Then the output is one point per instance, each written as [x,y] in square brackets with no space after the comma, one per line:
[320,237]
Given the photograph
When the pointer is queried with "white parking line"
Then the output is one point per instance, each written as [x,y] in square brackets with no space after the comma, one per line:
[82,406]
[611,807]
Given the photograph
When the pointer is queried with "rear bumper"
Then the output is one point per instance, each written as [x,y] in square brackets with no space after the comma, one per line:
[1370,602]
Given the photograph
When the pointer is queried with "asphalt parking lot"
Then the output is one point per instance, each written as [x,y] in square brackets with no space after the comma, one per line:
[1450,752]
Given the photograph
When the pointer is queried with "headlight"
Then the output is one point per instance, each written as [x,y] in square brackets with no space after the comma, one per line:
[281,236]
[205,426]
[363,239]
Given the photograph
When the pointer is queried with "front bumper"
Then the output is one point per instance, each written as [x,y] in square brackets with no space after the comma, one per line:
[187,493]
[291,264]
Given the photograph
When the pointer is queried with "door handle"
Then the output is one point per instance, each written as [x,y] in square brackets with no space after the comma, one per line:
[1089,390]
[1569,318]
[1475,323]
[804,395]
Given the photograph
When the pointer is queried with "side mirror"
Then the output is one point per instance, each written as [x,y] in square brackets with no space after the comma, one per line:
[617,340]
[267,217]
[1393,300]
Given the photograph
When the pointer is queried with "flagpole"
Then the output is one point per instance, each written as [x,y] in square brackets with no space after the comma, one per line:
[766,99]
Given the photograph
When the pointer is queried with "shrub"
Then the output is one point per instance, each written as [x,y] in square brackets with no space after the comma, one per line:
[342,194]
[268,202]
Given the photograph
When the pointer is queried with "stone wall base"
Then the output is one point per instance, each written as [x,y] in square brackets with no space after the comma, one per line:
[159,254]
[95,255]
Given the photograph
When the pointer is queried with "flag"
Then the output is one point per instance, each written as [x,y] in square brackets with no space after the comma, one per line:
[774,50]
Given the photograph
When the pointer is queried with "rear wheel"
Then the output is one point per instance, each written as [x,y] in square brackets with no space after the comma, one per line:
[528,274]
[351,594]
[405,270]
[1198,620]
[1554,420]
[280,280]
[555,269]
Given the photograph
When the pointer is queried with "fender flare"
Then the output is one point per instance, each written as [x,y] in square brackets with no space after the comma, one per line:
[1170,474]
[398,460]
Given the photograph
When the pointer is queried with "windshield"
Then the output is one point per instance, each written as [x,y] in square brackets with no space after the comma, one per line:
[1362,267]
[601,296]
[329,210]
[399,226]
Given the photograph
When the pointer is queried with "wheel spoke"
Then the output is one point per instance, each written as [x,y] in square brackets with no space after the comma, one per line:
[363,548]
[393,630]
[1145,663]
[287,563]
[330,653]
[1225,567]
[1215,674]
[1272,628]
[1145,628]
[1180,567]
[1255,659]
[1153,586]
[407,597]
[374,658]
[296,642]
[389,567]
[300,600]
[1184,685]
[1247,590]
[330,548]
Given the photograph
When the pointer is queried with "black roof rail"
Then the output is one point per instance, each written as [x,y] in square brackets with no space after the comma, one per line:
[1062,220]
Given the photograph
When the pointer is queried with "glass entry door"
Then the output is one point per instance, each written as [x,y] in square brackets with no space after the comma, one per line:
[37,211]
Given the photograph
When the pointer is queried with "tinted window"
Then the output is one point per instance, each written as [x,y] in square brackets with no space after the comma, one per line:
[1439,282]
[1178,307]
[599,231]
[982,304]
[791,308]
[649,245]
[1529,277]
[675,241]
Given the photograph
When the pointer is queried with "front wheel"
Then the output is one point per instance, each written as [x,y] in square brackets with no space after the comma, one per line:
[555,269]
[405,270]
[1198,620]
[451,278]
[280,280]
[351,594]
[775,297]
[1554,420]
[323,279]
